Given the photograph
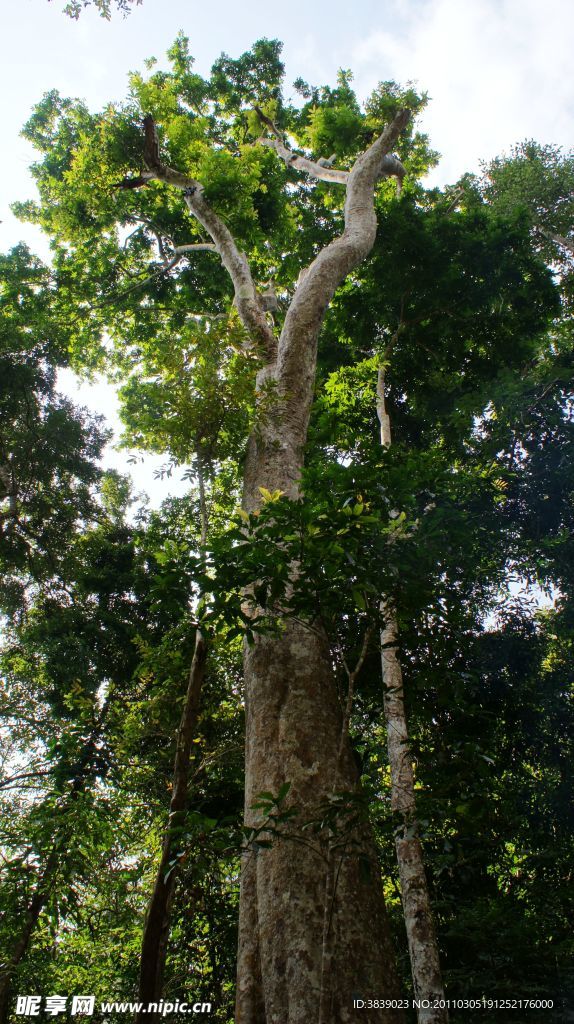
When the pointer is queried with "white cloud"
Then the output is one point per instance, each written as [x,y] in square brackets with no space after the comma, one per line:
[496,72]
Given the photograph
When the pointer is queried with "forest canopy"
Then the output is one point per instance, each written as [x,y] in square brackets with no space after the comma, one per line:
[377,435]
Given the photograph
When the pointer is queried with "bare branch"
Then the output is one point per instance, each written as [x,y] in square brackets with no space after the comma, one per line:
[180,250]
[269,123]
[246,298]
[141,179]
[177,250]
[10,783]
[566,243]
[382,413]
[322,169]
[333,263]
[301,163]
[363,653]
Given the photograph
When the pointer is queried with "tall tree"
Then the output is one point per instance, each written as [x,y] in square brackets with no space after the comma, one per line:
[330,934]
[420,926]
[293,726]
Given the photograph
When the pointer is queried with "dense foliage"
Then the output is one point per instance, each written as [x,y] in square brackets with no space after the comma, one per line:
[466,522]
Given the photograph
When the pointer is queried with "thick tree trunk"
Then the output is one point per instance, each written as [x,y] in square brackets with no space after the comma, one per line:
[421,936]
[313,934]
[312,919]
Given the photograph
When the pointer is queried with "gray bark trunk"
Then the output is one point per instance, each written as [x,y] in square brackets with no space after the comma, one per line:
[313,932]
[312,920]
[421,935]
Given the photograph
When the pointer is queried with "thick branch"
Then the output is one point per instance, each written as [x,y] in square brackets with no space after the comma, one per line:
[285,429]
[344,253]
[323,171]
[382,413]
[15,781]
[566,243]
[303,164]
[246,298]
[179,250]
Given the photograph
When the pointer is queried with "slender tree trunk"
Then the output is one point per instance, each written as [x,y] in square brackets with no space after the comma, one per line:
[421,935]
[157,923]
[158,918]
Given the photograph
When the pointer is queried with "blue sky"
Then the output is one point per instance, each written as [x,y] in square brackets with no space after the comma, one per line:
[497,71]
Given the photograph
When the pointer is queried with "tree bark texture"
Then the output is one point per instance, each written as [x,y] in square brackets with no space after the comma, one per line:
[421,935]
[291,890]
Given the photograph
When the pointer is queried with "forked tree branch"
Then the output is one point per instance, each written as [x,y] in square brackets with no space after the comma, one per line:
[246,298]
[322,171]
[325,273]
[343,254]
[352,677]
[301,163]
